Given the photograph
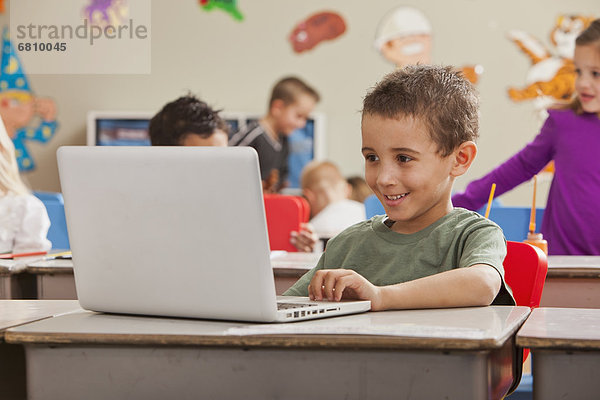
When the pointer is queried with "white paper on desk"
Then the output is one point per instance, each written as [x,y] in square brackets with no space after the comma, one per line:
[18,264]
[408,330]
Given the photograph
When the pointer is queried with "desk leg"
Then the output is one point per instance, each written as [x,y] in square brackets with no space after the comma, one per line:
[5,287]
[17,286]
[566,375]
[56,287]
[12,372]
[115,372]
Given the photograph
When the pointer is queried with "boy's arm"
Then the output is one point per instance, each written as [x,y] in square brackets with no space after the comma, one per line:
[476,285]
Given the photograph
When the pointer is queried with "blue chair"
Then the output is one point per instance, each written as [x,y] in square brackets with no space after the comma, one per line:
[373,206]
[514,221]
[55,207]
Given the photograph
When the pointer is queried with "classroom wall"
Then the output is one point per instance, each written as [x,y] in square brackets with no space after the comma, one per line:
[232,65]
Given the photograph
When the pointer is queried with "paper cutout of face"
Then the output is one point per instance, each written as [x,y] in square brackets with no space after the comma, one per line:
[404,37]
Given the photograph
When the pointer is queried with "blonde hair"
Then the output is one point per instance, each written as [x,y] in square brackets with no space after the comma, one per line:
[318,173]
[10,180]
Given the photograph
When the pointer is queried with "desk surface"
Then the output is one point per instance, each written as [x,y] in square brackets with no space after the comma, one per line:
[574,266]
[474,328]
[281,261]
[17,312]
[561,328]
[56,266]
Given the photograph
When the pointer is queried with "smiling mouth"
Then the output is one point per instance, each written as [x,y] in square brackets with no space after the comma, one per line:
[586,97]
[396,197]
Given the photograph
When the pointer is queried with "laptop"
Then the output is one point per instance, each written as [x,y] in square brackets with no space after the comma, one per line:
[175,231]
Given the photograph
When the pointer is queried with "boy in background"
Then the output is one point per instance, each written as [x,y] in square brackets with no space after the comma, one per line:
[327,193]
[418,130]
[360,189]
[290,104]
[188,121]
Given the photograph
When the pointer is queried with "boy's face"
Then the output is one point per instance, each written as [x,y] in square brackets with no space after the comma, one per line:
[292,116]
[218,138]
[405,171]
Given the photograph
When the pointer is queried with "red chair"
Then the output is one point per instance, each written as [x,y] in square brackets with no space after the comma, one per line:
[284,214]
[525,268]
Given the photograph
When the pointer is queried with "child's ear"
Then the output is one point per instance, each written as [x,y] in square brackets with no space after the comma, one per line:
[309,195]
[463,158]
[277,106]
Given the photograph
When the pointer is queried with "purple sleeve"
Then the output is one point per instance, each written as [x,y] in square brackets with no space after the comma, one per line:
[516,170]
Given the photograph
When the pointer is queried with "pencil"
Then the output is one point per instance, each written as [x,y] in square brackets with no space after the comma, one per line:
[13,255]
[489,205]
[532,215]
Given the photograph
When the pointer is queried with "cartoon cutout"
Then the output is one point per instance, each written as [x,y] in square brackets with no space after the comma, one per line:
[551,77]
[105,12]
[25,116]
[229,6]
[315,29]
[404,37]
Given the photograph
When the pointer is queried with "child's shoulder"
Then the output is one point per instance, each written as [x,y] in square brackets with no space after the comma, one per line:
[13,207]
[460,221]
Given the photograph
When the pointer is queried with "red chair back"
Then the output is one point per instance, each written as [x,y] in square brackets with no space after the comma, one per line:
[284,214]
[525,268]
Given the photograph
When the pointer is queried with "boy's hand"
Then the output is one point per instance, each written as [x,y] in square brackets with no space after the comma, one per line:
[337,284]
[305,240]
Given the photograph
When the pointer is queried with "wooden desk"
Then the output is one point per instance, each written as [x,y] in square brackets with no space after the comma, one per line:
[14,284]
[572,281]
[463,353]
[565,343]
[54,279]
[288,267]
[12,357]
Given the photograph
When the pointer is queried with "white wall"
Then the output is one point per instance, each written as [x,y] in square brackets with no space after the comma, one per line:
[232,66]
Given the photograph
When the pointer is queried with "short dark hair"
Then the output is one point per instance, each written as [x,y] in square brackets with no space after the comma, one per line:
[187,114]
[288,89]
[440,96]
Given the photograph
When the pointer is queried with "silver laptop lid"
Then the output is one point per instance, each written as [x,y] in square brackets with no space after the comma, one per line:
[175,231]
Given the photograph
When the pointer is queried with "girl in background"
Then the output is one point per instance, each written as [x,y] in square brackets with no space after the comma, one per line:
[24,221]
[571,137]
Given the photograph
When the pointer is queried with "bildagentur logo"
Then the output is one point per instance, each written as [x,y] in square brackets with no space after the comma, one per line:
[56,37]
[84,31]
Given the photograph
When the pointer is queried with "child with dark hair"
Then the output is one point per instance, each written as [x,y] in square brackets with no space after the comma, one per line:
[418,130]
[188,121]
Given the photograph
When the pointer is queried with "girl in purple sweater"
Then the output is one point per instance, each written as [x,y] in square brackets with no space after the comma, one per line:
[571,137]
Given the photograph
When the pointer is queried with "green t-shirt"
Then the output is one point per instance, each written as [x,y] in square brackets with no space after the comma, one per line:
[460,239]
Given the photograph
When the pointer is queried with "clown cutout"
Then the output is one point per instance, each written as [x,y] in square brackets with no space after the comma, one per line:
[404,37]
[25,116]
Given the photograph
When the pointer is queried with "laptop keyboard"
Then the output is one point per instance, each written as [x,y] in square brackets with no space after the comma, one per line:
[288,306]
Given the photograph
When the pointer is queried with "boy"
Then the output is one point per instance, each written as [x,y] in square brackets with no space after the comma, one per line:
[327,192]
[188,121]
[291,102]
[418,128]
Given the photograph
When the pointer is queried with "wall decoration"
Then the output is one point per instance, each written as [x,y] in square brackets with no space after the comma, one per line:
[106,12]
[551,77]
[2,9]
[229,6]
[404,37]
[326,25]
[25,116]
